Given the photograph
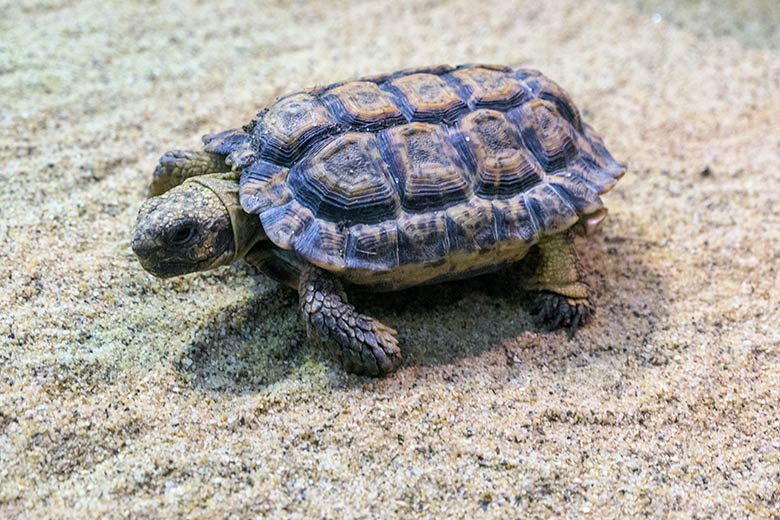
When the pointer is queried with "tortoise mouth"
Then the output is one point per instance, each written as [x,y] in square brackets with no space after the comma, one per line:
[150,257]
[168,269]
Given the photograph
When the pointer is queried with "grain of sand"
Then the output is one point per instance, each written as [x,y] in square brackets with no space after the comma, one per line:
[123,395]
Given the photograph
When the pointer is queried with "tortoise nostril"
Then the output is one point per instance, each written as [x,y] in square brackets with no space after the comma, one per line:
[142,245]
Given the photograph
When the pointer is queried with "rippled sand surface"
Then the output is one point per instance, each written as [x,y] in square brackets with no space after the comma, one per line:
[124,395]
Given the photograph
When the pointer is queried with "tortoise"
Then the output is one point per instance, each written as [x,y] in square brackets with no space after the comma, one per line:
[389,182]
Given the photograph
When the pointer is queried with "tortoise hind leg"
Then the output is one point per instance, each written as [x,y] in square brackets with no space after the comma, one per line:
[360,343]
[563,297]
[177,166]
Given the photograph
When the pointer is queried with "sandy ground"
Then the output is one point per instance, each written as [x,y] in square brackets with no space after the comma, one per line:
[124,395]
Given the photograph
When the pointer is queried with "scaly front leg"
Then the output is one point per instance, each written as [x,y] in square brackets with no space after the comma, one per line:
[360,343]
[177,166]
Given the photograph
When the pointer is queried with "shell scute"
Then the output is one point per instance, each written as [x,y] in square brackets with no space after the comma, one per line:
[553,211]
[471,226]
[264,185]
[363,105]
[486,87]
[503,164]
[291,125]
[235,144]
[546,89]
[426,166]
[346,181]
[427,97]
[513,221]
[546,135]
[324,243]
[582,196]
[373,246]
[422,238]
[283,224]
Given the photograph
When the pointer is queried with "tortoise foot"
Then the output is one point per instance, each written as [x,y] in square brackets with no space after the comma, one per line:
[367,348]
[176,166]
[362,345]
[555,311]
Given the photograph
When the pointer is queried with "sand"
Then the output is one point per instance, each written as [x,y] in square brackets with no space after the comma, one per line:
[124,395]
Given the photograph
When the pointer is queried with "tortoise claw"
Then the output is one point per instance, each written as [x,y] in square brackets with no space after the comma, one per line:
[554,311]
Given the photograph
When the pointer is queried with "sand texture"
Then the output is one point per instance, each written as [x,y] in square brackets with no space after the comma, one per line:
[122,395]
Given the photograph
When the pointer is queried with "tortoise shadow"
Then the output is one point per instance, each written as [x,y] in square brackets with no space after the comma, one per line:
[440,324]
[245,348]
[447,323]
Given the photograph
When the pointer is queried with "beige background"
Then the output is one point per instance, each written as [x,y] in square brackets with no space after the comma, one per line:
[122,395]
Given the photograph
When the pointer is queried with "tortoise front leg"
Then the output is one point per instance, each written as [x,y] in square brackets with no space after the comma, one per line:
[563,298]
[360,343]
[177,166]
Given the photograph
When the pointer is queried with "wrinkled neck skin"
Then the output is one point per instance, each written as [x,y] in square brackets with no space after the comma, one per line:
[247,231]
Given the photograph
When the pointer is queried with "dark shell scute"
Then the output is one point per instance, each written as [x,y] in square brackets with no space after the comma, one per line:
[373,245]
[546,135]
[470,227]
[553,210]
[225,142]
[423,238]
[503,164]
[346,181]
[237,145]
[513,222]
[362,105]
[485,87]
[426,166]
[263,185]
[426,97]
[292,126]
[543,88]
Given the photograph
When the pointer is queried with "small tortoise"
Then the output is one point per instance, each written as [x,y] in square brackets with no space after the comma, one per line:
[388,182]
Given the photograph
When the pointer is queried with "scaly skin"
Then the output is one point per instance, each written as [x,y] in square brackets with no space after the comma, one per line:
[177,166]
[563,298]
[360,343]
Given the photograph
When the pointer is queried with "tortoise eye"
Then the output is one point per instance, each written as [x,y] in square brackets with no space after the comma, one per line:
[183,234]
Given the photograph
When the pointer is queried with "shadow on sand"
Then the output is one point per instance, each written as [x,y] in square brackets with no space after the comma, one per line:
[245,348]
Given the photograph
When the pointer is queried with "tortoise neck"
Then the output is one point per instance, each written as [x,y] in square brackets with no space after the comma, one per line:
[247,230]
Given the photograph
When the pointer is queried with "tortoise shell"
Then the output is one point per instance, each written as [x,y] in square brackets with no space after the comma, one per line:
[391,173]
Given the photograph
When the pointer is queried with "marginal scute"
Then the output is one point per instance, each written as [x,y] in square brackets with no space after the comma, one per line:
[547,90]
[346,181]
[571,186]
[263,185]
[491,88]
[470,226]
[504,167]
[363,105]
[599,167]
[291,125]
[373,246]
[423,238]
[436,70]
[235,144]
[427,97]
[513,222]
[283,224]
[553,210]
[428,170]
[324,243]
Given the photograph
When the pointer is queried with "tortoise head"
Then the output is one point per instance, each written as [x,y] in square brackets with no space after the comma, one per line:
[196,226]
